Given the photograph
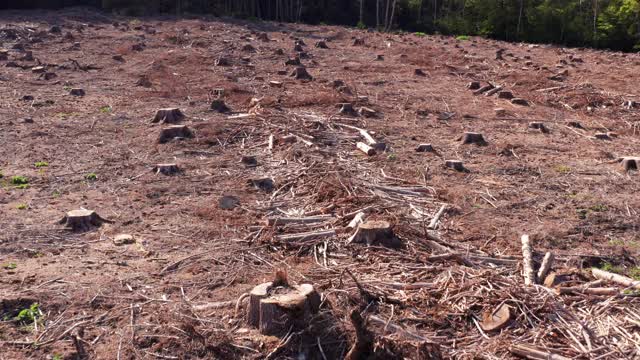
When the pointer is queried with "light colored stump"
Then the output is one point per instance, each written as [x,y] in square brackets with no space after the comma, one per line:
[375,233]
[455,165]
[81,220]
[473,138]
[168,116]
[300,73]
[277,84]
[275,309]
[38,69]
[366,148]
[174,132]
[630,163]
[166,169]
[424,148]
[496,319]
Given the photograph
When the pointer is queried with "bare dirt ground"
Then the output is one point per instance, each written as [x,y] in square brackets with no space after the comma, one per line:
[175,293]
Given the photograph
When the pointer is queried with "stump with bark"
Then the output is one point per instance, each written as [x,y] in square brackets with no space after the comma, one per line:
[505,95]
[174,132]
[602,136]
[82,220]
[264,184]
[276,307]
[4,54]
[300,73]
[376,233]
[474,85]
[166,169]
[263,37]
[346,109]
[455,165]
[249,161]
[248,48]
[222,61]
[295,61]
[168,116]
[219,106]
[322,44]
[538,126]
[144,81]
[419,72]
[473,138]
[424,148]
[298,48]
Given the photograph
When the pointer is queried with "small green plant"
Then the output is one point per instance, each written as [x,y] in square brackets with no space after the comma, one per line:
[563,169]
[462,37]
[19,180]
[392,157]
[10,266]
[56,357]
[361,25]
[634,273]
[40,164]
[55,194]
[106,109]
[91,177]
[67,88]
[419,33]
[22,207]
[29,315]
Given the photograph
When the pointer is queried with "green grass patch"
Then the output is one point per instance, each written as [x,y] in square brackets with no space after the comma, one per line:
[91,177]
[10,266]
[22,207]
[106,109]
[19,180]
[563,169]
[463,37]
[40,164]
[419,34]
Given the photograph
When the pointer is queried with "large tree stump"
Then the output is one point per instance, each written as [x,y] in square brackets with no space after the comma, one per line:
[168,116]
[219,106]
[473,138]
[82,220]
[300,73]
[276,308]
[174,132]
[376,233]
[424,148]
[630,163]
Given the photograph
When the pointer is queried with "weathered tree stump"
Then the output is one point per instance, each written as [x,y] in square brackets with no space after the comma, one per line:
[249,161]
[367,112]
[519,101]
[82,220]
[228,202]
[144,81]
[379,57]
[174,132]
[219,106]
[274,308]
[358,42]
[321,44]
[166,169]
[277,84]
[346,109]
[500,111]
[264,184]
[222,61]
[455,165]
[474,85]
[538,126]
[370,151]
[473,138]
[263,37]
[375,233]
[602,136]
[293,61]
[630,163]
[419,72]
[168,116]
[77,92]
[505,95]
[424,148]
[300,73]
[499,53]
[298,48]
[575,124]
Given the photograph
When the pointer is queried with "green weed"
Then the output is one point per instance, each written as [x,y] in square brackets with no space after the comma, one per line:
[463,37]
[10,266]
[419,34]
[106,109]
[563,169]
[29,315]
[22,207]
[19,180]
[40,164]
[91,177]
[361,25]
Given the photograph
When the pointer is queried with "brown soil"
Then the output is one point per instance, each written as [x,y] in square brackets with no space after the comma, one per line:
[563,187]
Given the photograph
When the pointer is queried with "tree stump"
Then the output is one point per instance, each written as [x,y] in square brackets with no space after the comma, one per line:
[379,57]
[228,202]
[346,109]
[500,111]
[219,106]
[222,61]
[166,169]
[168,116]
[419,72]
[474,85]
[77,92]
[575,124]
[322,44]
[499,53]
[263,37]
[366,148]
[505,95]
[144,81]
[455,165]
[630,163]
[298,48]
[538,126]
[473,138]
[358,42]
[602,136]
[174,132]
[519,101]
[424,148]
[279,52]
[48,76]
[276,308]
[248,48]
[4,54]
[293,61]
[264,184]
[300,73]
[82,220]
[367,112]
[123,239]
[376,233]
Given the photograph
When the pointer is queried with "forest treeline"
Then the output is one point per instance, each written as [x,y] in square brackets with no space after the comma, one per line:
[611,24]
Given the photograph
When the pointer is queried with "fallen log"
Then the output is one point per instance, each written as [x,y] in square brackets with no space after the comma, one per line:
[530,352]
[307,235]
[618,279]
[297,220]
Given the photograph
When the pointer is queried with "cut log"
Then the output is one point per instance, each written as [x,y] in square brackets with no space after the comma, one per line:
[166,169]
[496,319]
[77,92]
[530,352]
[473,138]
[424,148]
[493,91]
[616,278]
[82,220]
[300,73]
[375,233]
[168,116]
[366,148]
[314,235]
[547,262]
[630,163]
[174,132]
[455,164]
[527,261]
[279,221]
[218,105]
